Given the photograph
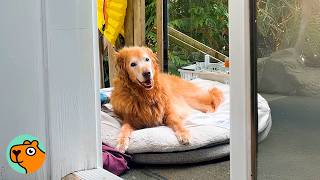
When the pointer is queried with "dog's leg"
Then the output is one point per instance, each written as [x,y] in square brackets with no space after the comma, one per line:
[216,97]
[176,124]
[200,106]
[123,139]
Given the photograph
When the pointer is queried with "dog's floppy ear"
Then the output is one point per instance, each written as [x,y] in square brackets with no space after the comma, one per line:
[152,54]
[119,64]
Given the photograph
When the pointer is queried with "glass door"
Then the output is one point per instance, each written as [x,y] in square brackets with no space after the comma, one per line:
[287,64]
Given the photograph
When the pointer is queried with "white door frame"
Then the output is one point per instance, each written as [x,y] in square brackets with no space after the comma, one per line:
[73,88]
[240,90]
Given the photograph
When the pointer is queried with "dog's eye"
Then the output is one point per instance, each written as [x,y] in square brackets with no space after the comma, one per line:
[147,59]
[133,64]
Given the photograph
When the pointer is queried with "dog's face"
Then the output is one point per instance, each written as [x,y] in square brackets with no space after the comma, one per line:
[140,70]
[139,64]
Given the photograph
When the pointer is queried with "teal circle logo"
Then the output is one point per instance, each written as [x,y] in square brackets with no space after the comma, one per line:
[25,154]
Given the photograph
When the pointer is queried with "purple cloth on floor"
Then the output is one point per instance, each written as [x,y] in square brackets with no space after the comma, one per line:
[113,160]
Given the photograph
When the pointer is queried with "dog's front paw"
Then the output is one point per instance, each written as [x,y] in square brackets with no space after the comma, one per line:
[209,109]
[183,137]
[123,144]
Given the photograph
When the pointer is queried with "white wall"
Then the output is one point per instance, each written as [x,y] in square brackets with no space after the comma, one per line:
[22,104]
[48,57]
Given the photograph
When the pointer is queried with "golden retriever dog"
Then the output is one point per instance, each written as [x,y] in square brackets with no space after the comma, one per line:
[143,97]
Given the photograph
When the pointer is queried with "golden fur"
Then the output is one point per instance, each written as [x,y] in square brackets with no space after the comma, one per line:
[163,100]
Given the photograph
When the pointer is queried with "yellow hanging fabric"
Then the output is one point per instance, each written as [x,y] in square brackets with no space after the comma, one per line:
[111,14]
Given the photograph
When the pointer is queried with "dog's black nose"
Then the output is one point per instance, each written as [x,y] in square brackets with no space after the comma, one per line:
[16,152]
[146,75]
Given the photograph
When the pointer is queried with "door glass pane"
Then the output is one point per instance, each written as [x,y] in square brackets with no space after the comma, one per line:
[288,74]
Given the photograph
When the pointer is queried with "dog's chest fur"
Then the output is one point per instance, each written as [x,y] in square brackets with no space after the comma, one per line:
[140,108]
[147,113]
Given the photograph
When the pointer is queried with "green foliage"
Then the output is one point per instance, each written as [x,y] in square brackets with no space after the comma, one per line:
[150,23]
[278,24]
[180,57]
[204,20]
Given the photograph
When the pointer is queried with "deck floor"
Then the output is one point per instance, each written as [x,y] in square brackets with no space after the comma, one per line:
[216,170]
[291,151]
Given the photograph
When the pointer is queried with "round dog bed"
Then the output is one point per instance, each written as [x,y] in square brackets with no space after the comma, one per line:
[209,132]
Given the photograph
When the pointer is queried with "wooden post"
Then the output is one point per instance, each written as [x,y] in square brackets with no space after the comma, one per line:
[159,15]
[128,24]
[111,63]
[138,22]
[134,25]
[101,54]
